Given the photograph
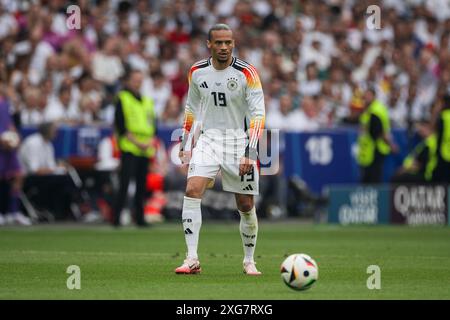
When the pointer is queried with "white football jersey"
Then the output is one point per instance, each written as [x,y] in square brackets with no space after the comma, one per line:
[225,100]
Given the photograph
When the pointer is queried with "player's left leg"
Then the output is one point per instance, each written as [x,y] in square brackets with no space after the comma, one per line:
[244,188]
[248,228]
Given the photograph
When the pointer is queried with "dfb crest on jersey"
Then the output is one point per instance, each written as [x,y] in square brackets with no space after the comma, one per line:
[232,84]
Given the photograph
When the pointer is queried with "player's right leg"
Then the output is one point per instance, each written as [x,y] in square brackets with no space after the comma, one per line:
[203,167]
[192,221]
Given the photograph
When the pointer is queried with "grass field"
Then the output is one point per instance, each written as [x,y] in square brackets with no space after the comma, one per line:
[138,264]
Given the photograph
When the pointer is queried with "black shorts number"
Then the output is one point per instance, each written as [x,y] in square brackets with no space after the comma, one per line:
[250,176]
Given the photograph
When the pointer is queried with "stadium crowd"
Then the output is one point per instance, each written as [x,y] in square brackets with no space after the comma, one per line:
[315,58]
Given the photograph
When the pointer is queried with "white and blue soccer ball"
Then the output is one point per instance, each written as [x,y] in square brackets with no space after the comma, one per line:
[299,271]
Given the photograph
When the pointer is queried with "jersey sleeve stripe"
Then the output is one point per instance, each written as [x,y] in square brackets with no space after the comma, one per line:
[196,66]
[256,127]
[248,66]
[254,134]
[250,73]
[187,126]
[188,121]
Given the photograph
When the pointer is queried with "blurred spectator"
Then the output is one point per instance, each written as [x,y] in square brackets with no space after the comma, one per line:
[280,118]
[62,108]
[171,115]
[108,161]
[106,64]
[160,90]
[90,108]
[32,111]
[311,85]
[10,171]
[47,182]
[398,110]
[155,184]
[8,23]
[306,118]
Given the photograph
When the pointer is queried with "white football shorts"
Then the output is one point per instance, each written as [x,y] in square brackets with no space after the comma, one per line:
[212,154]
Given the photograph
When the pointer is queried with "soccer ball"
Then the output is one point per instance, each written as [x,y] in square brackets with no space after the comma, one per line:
[299,271]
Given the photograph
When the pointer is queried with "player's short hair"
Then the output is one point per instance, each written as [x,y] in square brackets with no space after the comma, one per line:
[217,27]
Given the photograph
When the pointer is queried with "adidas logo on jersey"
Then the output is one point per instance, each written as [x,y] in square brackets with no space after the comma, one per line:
[247,188]
[204,85]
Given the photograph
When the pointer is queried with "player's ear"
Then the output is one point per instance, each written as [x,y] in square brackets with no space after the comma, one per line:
[208,44]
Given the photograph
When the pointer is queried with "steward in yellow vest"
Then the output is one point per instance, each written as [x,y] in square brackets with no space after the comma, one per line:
[135,127]
[374,141]
[419,165]
[442,172]
[135,133]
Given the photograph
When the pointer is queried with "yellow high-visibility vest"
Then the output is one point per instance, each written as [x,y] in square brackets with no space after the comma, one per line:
[431,143]
[140,121]
[366,145]
[445,143]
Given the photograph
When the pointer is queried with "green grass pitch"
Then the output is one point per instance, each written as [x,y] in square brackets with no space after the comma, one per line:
[138,264]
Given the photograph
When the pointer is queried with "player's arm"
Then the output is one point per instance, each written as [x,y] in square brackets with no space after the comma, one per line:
[255,101]
[191,108]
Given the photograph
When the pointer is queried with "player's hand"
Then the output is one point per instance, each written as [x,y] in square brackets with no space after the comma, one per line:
[185,156]
[245,166]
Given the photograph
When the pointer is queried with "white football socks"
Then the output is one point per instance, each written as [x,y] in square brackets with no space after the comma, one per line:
[249,233]
[192,221]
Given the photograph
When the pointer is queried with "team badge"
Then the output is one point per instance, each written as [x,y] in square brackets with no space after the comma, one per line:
[232,84]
